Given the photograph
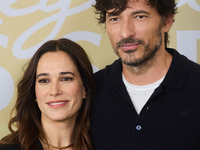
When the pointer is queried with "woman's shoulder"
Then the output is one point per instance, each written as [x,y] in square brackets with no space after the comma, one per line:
[10,147]
[36,144]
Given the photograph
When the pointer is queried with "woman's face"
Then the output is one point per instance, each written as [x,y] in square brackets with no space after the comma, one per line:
[59,88]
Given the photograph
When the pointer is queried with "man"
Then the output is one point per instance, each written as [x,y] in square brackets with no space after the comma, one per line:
[148,99]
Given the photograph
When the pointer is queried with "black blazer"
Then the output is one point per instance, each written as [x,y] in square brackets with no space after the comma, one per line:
[170,120]
[17,147]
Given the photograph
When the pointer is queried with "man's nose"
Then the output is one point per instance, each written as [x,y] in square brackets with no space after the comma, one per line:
[127,28]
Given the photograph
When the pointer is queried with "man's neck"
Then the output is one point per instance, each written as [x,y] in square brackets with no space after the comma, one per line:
[151,72]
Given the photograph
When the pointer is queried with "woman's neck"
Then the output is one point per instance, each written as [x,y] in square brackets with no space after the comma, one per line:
[58,133]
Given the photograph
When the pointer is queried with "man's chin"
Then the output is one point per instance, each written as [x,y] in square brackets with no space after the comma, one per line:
[132,64]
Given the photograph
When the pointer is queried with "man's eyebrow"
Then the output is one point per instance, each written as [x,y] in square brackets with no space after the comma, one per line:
[42,74]
[140,12]
[133,13]
[111,14]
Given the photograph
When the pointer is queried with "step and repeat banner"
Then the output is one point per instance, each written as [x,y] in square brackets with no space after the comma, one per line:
[26,24]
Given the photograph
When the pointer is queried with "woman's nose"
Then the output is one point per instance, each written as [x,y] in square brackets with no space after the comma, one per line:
[55,90]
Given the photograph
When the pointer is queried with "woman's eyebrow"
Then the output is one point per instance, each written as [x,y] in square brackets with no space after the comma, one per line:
[42,74]
[61,73]
[64,73]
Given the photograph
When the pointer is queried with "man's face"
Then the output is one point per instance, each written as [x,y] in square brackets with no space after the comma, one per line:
[136,34]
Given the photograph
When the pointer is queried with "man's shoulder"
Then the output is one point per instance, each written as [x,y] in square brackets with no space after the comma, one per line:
[194,65]
[108,68]
[194,72]
[109,74]
[183,60]
[185,69]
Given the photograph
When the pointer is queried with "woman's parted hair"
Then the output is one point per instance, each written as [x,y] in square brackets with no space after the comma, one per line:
[164,7]
[28,116]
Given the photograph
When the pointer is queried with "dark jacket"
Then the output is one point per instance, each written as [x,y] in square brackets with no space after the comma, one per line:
[17,147]
[170,120]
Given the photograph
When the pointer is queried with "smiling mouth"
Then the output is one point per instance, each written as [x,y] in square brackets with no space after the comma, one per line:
[57,103]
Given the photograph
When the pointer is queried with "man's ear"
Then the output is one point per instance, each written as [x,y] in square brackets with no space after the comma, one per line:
[167,23]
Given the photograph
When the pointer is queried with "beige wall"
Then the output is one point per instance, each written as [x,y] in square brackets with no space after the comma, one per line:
[26,24]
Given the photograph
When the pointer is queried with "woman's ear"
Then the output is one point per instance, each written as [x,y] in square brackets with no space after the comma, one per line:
[84,94]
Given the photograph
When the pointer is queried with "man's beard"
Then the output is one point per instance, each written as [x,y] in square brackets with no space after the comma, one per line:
[149,52]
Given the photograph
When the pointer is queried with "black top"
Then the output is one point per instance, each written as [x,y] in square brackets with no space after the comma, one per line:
[17,147]
[170,120]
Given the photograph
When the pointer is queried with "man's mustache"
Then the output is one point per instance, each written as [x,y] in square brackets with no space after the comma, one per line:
[129,40]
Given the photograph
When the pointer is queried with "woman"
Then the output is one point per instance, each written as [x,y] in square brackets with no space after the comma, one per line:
[54,98]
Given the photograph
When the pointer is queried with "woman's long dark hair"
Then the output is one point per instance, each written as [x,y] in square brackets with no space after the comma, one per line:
[28,116]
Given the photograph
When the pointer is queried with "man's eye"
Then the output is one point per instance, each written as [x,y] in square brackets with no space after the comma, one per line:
[43,81]
[140,17]
[114,19]
[66,79]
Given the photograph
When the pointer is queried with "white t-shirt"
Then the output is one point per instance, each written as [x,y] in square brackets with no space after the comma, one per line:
[140,94]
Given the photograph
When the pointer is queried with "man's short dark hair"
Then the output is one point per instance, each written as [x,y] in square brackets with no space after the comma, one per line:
[164,7]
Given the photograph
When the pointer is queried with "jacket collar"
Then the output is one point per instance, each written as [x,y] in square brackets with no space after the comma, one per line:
[174,78]
[177,73]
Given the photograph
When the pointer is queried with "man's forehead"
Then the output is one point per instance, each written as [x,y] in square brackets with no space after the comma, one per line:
[129,4]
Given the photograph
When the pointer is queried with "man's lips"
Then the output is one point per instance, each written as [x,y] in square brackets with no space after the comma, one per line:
[131,46]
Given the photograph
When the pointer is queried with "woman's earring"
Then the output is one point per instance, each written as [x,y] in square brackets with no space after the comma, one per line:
[84,97]
[36,100]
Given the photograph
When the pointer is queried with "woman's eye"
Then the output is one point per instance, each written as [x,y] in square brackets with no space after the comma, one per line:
[66,79]
[43,81]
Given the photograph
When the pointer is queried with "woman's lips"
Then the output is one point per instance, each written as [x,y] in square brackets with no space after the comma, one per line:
[57,104]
